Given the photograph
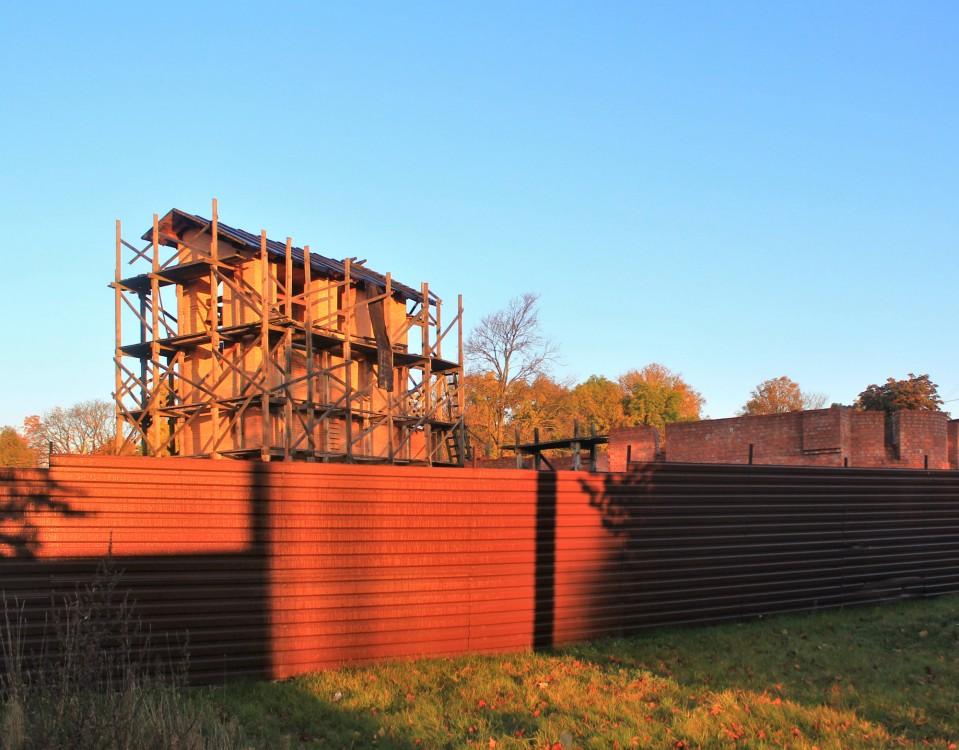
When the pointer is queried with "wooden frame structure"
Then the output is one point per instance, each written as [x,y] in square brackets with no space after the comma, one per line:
[251,348]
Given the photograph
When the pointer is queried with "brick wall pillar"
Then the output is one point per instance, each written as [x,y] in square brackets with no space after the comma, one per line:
[642,444]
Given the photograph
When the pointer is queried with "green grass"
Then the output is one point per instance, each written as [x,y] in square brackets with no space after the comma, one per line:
[859,678]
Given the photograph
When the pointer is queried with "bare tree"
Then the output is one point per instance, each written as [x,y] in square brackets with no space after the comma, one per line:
[86,427]
[505,353]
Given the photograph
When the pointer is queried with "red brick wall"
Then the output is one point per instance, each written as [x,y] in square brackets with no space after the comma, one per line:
[776,439]
[823,437]
[867,439]
[953,440]
[921,434]
[642,444]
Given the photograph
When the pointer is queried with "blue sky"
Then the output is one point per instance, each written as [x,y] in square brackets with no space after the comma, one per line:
[735,190]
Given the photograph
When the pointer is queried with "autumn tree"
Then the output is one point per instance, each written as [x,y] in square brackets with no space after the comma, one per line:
[84,428]
[655,395]
[598,401]
[505,353]
[541,405]
[15,450]
[917,392]
[779,396]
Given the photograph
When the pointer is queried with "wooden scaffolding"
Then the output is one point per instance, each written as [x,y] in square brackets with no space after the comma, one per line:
[250,348]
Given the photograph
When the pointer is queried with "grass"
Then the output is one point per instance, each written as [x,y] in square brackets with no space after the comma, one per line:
[97,686]
[859,678]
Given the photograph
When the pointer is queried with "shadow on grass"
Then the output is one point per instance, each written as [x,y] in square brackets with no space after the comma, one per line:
[290,715]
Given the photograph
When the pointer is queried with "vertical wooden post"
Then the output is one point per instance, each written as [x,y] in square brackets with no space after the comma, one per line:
[308,330]
[347,358]
[265,347]
[519,453]
[288,354]
[538,456]
[215,234]
[288,279]
[575,445]
[437,351]
[155,377]
[213,322]
[118,342]
[427,375]
[390,400]
[325,366]
[592,447]
[460,385]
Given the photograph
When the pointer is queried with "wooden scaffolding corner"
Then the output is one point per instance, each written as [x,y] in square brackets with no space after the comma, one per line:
[250,348]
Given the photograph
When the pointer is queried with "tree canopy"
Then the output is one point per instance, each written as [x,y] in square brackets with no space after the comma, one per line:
[15,450]
[655,395]
[917,392]
[597,401]
[779,396]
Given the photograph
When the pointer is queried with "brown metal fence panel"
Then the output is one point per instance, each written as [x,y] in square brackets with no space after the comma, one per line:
[270,570]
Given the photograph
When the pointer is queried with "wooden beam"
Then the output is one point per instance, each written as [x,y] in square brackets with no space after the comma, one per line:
[265,346]
[348,358]
[118,343]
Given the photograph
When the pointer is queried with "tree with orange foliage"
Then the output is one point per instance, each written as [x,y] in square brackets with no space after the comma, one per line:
[779,396]
[14,450]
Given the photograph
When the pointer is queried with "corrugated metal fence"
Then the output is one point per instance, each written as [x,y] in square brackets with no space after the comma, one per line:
[277,569]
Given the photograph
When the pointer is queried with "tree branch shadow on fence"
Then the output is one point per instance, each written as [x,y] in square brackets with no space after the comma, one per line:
[26,497]
[703,543]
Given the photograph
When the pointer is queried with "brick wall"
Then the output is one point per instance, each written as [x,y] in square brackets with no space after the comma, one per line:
[952,438]
[866,444]
[919,435]
[838,436]
[775,440]
[640,443]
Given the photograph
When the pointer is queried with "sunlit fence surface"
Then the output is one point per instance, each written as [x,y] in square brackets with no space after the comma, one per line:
[270,569]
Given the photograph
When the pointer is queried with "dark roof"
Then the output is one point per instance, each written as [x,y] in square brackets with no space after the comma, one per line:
[177,221]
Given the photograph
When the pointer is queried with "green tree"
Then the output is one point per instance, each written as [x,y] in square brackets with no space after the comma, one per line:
[917,392]
[15,450]
[598,401]
[655,395]
[778,396]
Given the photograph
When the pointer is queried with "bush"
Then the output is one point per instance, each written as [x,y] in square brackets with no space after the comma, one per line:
[96,684]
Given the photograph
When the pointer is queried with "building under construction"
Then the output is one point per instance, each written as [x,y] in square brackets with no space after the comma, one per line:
[230,344]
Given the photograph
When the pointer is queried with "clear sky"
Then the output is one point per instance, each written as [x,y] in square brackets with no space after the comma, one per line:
[737,190]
